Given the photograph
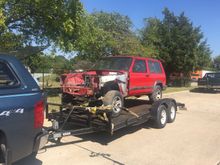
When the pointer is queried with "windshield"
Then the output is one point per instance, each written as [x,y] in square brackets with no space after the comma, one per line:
[114,63]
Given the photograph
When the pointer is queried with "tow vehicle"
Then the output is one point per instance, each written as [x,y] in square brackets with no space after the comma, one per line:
[21,112]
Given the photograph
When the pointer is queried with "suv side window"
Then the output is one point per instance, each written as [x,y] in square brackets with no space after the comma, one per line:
[139,66]
[7,78]
[154,67]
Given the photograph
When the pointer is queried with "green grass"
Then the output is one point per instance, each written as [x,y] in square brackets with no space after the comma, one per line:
[51,81]
[53,99]
[177,89]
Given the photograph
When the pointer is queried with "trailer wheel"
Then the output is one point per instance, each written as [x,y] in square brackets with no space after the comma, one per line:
[171,116]
[115,99]
[161,119]
[156,95]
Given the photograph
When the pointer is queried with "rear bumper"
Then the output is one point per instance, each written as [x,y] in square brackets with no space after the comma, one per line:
[40,141]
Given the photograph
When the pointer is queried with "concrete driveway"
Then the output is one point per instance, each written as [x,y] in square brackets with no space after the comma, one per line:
[194,138]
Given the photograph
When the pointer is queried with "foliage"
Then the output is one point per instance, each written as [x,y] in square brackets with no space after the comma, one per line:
[27,27]
[107,34]
[217,62]
[38,22]
[176,42]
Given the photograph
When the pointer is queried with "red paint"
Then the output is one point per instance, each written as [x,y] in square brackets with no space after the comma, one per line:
[138,83]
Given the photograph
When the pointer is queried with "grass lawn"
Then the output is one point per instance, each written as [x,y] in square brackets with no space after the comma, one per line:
[176,89]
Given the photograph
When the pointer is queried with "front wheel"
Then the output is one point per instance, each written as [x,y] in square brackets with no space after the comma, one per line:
[115,99]
[156,95]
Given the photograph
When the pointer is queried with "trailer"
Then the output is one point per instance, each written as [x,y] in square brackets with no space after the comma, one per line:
[77,120]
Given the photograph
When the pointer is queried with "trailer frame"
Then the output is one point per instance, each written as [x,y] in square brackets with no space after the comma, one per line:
[79,120]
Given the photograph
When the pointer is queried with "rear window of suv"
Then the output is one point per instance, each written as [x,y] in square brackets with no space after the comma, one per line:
[154,67]
[7,77]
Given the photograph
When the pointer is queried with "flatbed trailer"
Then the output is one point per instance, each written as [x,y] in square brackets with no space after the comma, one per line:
[77,120]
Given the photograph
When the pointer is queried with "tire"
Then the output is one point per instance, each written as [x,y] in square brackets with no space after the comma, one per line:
[156,95]
[171,115]
[161,119]
[67,99]
[115,99]
[3,154]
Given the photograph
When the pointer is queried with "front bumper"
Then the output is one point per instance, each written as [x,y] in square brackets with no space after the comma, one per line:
[40,141]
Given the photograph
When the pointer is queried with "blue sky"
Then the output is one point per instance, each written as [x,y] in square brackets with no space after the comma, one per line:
[202,13]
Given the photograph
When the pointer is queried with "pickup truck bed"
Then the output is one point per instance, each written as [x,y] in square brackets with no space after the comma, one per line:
[210,81]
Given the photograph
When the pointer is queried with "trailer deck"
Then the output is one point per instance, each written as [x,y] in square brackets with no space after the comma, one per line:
[77,120]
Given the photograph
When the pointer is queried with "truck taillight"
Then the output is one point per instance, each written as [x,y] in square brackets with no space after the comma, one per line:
[39,114]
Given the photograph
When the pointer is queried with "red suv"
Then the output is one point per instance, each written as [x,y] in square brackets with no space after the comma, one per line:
[114,78]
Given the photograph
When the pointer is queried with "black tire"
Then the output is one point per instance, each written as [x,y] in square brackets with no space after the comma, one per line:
[156,95]
[67,99]
[115,99]
[171,115]
[161,119]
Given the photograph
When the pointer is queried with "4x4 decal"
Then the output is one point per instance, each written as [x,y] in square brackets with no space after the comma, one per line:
[13,111]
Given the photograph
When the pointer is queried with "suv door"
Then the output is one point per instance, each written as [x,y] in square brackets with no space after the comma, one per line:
[156,72]
[138,78]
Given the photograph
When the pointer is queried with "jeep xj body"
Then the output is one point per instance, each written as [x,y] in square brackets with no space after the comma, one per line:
[115,78]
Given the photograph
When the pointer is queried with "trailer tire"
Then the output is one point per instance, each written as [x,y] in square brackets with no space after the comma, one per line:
[171,116]
[161,119]
[156,95]
[114,98]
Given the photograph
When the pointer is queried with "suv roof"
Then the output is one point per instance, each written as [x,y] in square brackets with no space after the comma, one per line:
[130,56]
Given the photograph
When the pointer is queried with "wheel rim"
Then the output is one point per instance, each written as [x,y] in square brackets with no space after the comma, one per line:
[158,94]
[163,117]
[172,112]
[117,104]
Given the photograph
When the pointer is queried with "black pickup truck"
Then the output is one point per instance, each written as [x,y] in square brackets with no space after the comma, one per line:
[210,81]
[21,112]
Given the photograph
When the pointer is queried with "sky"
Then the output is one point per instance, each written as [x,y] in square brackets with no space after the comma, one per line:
[204,13]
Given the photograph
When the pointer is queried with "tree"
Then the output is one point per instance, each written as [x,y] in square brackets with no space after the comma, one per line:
[38,22]
[119,27]
[150,36]
[178,43]
[38,63]
[106,34]
[217,62]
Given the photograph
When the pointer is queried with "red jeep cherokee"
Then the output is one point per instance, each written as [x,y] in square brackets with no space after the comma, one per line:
[114,78]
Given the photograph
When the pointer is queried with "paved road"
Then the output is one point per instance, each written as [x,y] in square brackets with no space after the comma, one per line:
[194,138]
